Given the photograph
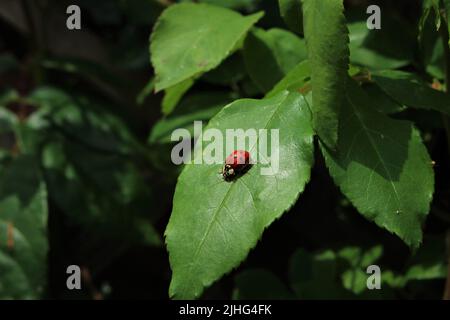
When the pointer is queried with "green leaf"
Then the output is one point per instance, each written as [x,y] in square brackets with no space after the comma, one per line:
[277,50]
[174,94]
[382,167]
[23,228]
[291,11]
[214,225]
[185,40]
[294,80]
[327,41]
[260,284]
[409,90]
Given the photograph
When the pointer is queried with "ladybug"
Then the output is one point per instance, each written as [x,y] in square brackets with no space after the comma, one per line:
[238,162]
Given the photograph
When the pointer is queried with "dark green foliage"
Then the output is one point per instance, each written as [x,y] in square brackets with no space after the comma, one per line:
[86,177]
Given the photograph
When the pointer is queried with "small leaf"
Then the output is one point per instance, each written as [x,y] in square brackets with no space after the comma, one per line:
[327,41]
[382,167]
[174,94]
[409,90]
[185,40]
[277,50]
[214,223]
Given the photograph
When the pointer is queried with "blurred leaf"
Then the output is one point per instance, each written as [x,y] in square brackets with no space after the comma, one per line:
[354,278]
[378,165]
[260,284]
[23,227]
[214,225]
[409,90]
[102,192]
[327,41]
[291,11]
[340,274]
[270,55]
[174,94]
[84,119]
[184,42]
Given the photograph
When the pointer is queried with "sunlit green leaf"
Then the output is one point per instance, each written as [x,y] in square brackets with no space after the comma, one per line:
[214,224]
[185,40]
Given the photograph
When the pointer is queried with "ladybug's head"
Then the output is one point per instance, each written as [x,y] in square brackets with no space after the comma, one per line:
[228,172]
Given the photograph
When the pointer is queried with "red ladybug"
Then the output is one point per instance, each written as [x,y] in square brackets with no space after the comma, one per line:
[238,162]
